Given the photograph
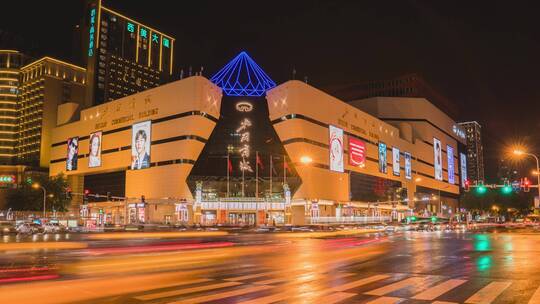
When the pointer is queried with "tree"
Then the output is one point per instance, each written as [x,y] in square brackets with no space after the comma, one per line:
[27,198]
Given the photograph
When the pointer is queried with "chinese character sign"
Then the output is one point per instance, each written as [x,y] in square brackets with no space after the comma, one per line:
[336,149]
[357,152]
[92,31]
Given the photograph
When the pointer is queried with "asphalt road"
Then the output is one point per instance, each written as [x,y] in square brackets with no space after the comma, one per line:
[498,266]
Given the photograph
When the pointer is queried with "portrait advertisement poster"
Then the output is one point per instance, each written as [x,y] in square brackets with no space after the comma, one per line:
[72,153]
[408,162]
[94,149]
[140,145]
[357,152]
[395,161]
[382,157]
[463,162]
[437,163]
[450,157]
[336,149]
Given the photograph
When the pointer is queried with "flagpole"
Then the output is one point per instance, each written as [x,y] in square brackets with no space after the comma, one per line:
[284,170]
[243,171]
[256,174]
[271,175]
[228,164]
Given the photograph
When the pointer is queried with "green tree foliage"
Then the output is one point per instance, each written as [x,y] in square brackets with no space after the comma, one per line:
[27,198]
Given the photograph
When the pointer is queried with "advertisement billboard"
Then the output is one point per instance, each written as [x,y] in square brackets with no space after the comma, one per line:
[463,162]
[140,145]
[336,149]
[72,153]
[382,157]
[357,152]
[395,161]
[450,158]
[94,150]
[408,163]
[437,163]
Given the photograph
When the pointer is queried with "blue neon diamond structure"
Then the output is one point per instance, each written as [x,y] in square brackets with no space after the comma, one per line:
[242,77]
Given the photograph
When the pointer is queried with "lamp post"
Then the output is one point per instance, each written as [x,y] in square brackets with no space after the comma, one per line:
[521,152]
[36,186]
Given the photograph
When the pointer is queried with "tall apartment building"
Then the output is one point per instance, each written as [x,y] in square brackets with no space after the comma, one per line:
[475,150]
[44,85]
[123,56]
[10,63]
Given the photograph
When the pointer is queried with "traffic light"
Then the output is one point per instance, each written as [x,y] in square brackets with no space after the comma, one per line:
[506,189]
[143,199]
[526,184]
[481,189]
[467,185]
[433,219]
[68,193]
[108,196]
[29,180]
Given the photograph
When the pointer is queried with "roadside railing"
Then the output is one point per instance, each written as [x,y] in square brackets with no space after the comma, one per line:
[348,219]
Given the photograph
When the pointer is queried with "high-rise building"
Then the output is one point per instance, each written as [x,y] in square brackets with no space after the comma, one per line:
[123,56]
[10,64]
[45,84]
[475,150]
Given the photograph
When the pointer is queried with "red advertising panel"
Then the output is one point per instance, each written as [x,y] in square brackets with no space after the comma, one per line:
[357,152]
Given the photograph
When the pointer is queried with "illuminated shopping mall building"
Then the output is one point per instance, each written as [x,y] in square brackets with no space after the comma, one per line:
[238,149]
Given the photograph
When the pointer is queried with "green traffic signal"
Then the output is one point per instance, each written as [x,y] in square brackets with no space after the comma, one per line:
[481,189]
[433,219]
[507,189]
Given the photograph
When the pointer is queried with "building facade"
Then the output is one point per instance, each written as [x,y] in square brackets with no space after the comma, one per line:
[11,62]
[45,84]
[123,56]
[475,150]
[248,152]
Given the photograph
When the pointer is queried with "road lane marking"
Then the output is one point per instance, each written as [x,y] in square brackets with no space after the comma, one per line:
[180,292]
[535,299]
[396,286]
[386,300]
[302,278]
[438,290]
[487,294]
[336,297]
[222,295]
[360,282]
[443,302]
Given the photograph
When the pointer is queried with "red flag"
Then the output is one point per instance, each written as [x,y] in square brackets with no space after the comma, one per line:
[229,165]
[259,162]
[286,165]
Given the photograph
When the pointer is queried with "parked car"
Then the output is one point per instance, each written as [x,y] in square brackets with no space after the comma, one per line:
[7,228]
[53,228]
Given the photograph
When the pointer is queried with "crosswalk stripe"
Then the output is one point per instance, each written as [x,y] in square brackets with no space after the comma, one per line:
[172,293]
[535,299]
[302,278]
[443,302]
[360,282]
[253,276]
[439,289]
[386,300]
[396,286]
[223,295]
[336,297]
[487,294]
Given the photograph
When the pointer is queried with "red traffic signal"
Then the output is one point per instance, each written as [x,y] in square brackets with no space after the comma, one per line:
[526,184]
[86,191]
[467,185]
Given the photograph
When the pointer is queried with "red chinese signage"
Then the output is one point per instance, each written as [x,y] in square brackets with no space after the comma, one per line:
[357,152]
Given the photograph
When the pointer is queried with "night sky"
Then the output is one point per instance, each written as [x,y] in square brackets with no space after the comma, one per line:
[483,55]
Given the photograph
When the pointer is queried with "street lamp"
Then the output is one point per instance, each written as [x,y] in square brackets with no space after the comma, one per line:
[306,160]
[519,152]
[37,186]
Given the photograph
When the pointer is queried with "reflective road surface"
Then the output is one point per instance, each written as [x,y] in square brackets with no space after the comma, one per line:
[499,266]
